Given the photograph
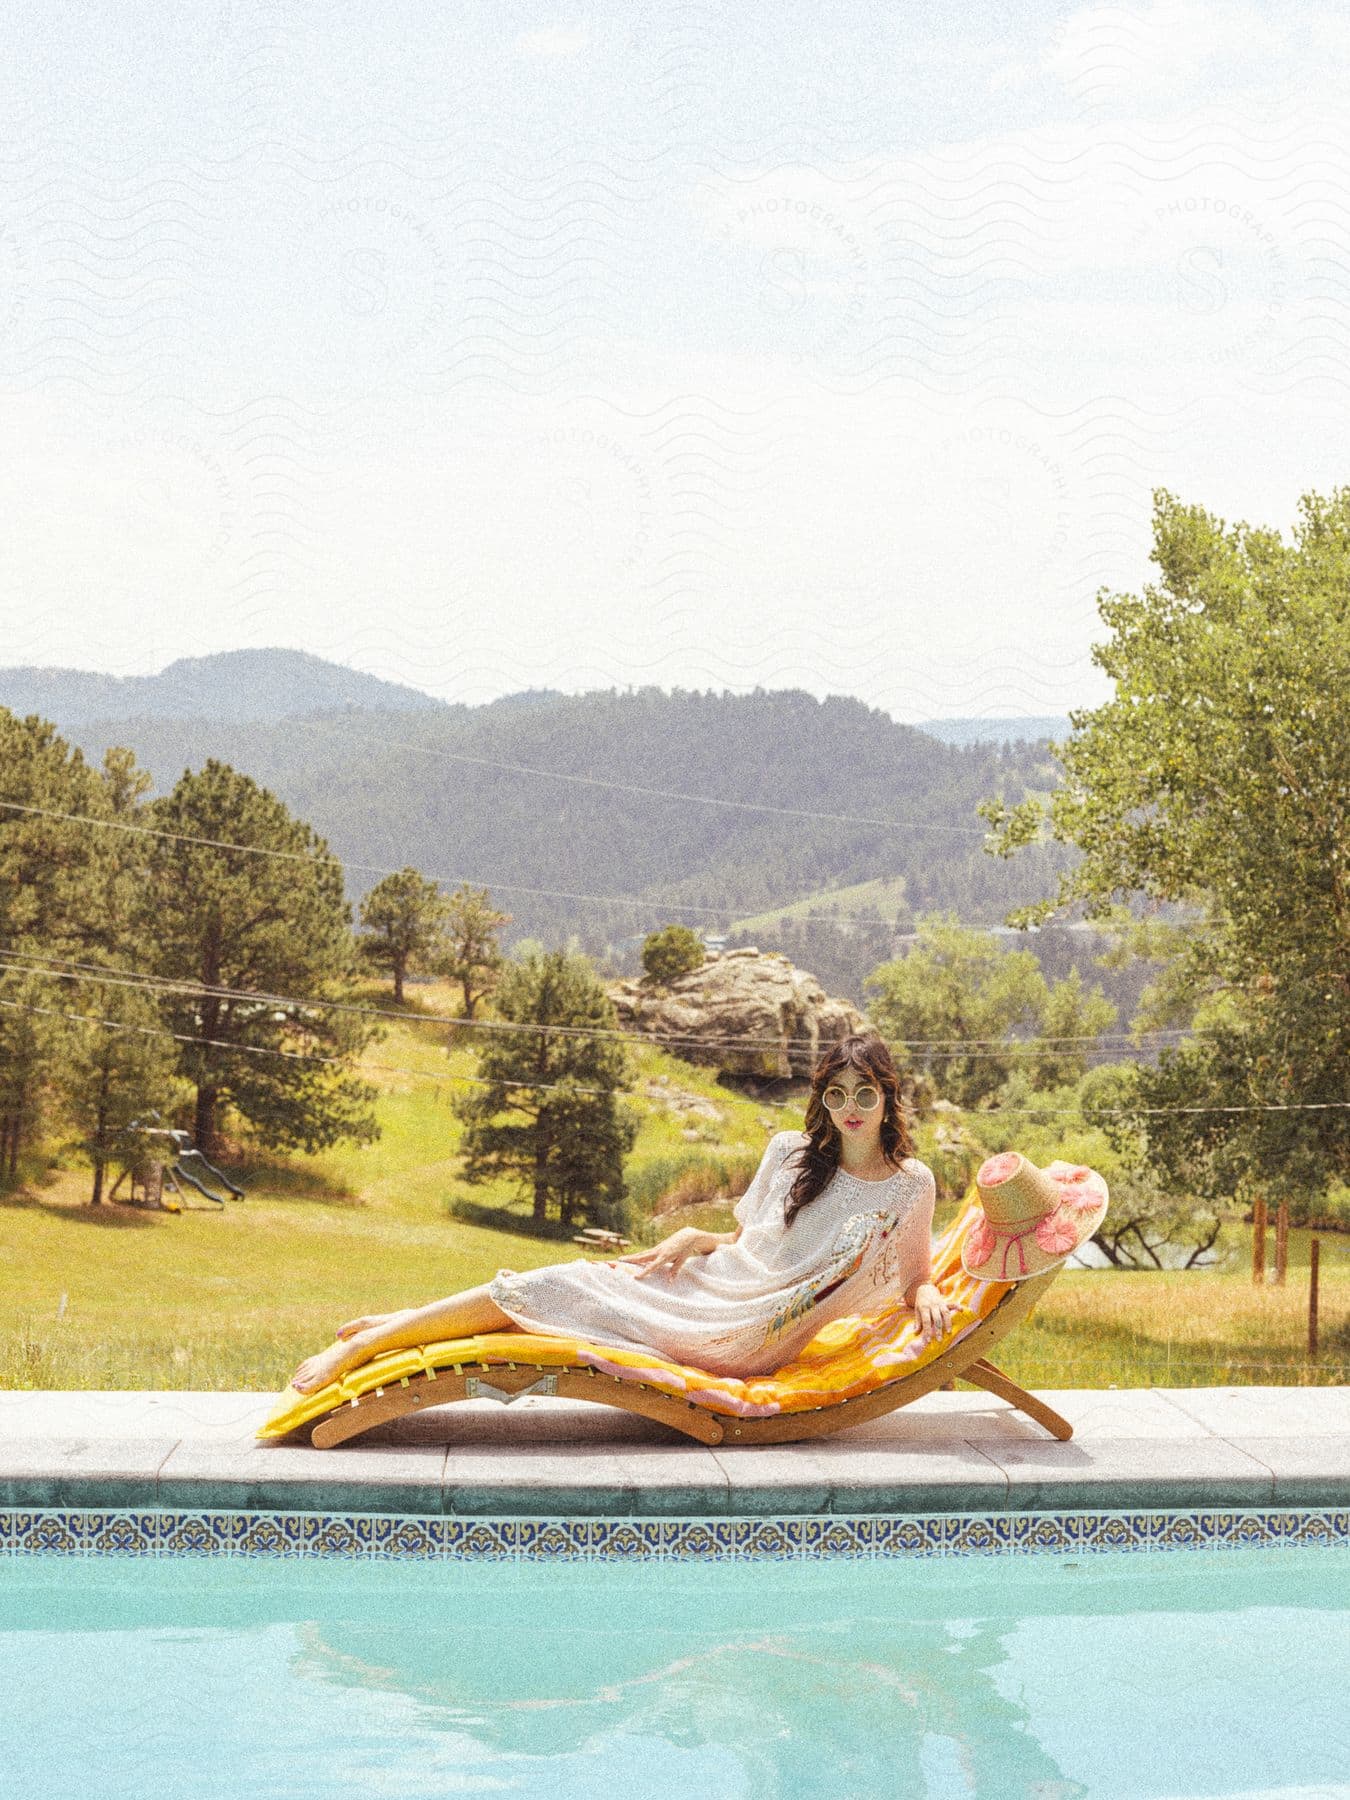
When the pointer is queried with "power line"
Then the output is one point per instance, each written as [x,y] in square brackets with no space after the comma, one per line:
[661,907]
[183,1037]
[131,977]
[1009,1112]
[561,1087]
[938,1047]
[628,787]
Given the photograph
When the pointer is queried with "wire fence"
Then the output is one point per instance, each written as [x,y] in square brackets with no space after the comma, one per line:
[1157,1359]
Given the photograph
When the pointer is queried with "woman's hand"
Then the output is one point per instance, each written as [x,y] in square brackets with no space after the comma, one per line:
[934,1314]
[673,1251]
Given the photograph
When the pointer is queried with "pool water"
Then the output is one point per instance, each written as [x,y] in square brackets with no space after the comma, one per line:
[1115,1674]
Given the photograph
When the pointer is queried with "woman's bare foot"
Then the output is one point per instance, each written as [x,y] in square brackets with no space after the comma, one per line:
[367,1323]
[328,1365]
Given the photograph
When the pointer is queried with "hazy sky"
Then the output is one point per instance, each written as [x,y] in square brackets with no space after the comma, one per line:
[486,347]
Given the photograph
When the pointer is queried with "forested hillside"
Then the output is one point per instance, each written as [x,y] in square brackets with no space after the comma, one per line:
[388,789]
[702,807]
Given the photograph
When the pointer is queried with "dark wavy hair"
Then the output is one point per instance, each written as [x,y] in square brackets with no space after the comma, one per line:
[818,1160]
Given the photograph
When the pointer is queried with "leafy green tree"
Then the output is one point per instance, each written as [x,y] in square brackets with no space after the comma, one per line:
[1070,1018]
[1216,783]
[272,922]
[547,1115]
[404,916]
[1200,1154]
[673,951]
[468,951]
[1158,1203]
[958,983]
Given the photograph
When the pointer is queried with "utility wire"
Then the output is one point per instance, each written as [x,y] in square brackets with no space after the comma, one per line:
[548,1087]
[306,856]
[628,787]
[938,1047]
[134,977]
[184,1037]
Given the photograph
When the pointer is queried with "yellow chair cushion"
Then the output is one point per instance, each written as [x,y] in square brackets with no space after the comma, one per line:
[847,1357]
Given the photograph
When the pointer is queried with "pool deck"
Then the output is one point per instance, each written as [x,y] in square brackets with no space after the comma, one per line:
[958,1451]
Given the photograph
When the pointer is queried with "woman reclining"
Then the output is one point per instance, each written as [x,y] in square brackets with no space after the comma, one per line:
[838,1220]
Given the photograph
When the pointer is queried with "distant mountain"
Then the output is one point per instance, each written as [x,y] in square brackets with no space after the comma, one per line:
[236,684]
[996,731]
[641,834]
[281,684]
[528,697]
[831,801]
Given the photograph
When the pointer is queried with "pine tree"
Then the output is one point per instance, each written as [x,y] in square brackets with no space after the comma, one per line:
[270,920]
[47,854]
[44,858]
[548,1114]
[31,1036]
[404,915]
[112,1070]
[672,951]
[118,1060]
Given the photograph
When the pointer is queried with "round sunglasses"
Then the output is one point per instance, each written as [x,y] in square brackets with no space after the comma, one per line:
[837,1098]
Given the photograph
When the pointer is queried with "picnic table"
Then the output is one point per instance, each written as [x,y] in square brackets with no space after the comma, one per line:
[593,1238]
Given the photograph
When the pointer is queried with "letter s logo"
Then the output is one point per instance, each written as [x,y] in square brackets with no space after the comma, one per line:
[782,282]
[1199,288]
[364,289]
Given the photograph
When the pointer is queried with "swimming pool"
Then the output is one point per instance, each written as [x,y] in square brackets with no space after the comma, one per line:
[1211,1670]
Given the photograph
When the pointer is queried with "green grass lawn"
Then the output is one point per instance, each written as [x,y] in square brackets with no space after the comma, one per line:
[233,1299]
[1198,1328]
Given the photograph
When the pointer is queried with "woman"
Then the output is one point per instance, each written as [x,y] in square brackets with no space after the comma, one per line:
[837,1220]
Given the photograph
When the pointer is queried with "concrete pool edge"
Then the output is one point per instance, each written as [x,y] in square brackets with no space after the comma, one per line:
[160,1534]
[959,1453]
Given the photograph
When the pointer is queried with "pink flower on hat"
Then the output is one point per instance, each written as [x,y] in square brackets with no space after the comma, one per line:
[980,1241]
[1069,1178]
[1055,1234]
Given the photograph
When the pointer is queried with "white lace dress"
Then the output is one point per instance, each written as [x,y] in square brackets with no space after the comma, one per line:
[747,1308]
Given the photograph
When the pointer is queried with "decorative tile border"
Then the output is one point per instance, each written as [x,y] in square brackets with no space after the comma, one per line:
[152,1532]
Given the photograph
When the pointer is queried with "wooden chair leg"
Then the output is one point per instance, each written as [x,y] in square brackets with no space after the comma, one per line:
[983,1374]
[409,1393]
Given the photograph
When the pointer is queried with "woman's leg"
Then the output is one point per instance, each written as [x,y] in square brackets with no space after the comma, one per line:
[458,1315]
[350,1327]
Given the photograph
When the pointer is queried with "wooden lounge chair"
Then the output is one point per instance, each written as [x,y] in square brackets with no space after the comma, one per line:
[854,1369]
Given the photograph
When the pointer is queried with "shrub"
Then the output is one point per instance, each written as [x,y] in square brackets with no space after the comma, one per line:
[688,1178]
[673,951]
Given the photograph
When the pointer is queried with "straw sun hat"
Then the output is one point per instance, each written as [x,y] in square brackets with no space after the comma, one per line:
[1032,1218]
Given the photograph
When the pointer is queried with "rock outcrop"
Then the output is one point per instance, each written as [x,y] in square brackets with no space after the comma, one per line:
[745,1012]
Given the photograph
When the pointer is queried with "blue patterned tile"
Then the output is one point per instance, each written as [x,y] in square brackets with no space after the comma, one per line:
[390,1536]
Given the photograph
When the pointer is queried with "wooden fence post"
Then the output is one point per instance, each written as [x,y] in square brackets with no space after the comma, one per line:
[1313,1248]
[1281,1243]
[1258,1241]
